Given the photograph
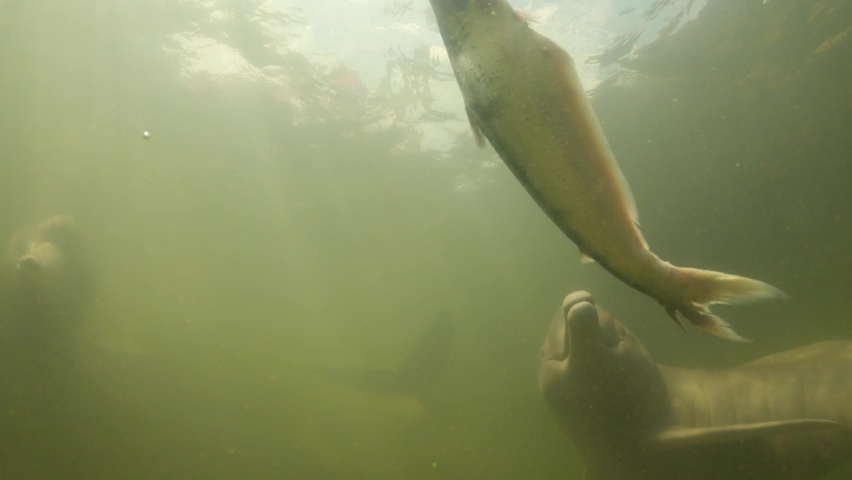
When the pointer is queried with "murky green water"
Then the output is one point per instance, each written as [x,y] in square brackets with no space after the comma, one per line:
[310,197]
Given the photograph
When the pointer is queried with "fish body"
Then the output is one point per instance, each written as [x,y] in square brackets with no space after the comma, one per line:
[522,94]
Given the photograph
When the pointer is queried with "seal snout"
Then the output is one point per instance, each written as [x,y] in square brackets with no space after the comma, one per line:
[583,333]
[575,298]
[28,270]
[37,264]
[582,319]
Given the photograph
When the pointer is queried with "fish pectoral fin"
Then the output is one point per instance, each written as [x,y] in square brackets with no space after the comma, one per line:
[677,437]
[478,136]
[585,259]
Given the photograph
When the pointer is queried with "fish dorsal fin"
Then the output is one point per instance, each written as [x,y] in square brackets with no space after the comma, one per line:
[678,437]
[572,82]
[525,15]
[478,136]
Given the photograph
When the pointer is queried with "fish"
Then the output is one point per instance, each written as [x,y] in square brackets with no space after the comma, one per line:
[417,374]
[785,416]
[523,96]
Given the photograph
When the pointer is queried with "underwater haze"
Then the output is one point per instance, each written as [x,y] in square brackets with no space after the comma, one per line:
[309,197]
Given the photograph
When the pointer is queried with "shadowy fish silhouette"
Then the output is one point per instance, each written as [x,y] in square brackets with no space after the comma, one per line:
[417,374]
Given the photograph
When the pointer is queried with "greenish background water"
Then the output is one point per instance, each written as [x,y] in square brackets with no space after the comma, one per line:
[311,196]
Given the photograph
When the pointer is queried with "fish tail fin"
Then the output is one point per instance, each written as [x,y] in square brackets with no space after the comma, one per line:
[698,289]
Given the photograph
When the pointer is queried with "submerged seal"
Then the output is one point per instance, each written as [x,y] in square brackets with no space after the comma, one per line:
[787,416]
[46,286]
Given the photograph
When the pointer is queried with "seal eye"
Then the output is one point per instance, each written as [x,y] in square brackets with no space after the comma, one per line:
[609,332]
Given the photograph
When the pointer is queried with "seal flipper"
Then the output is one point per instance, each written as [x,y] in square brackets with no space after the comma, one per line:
[678,437]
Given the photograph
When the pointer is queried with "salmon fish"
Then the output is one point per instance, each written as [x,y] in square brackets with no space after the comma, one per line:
[522,94]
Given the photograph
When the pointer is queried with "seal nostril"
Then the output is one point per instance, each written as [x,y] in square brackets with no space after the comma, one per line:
[27,269]
[28,263]
[582,327]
